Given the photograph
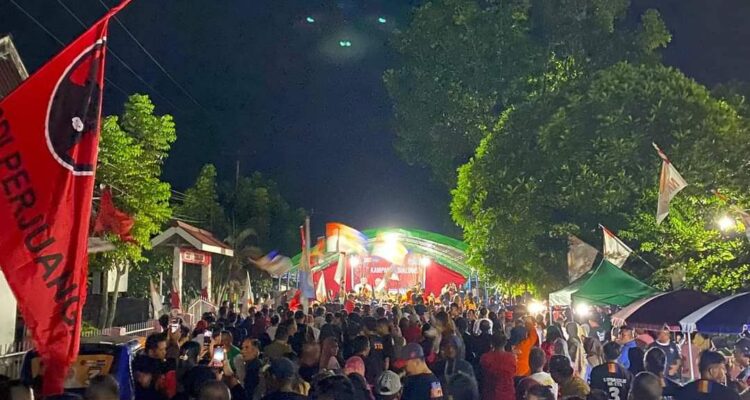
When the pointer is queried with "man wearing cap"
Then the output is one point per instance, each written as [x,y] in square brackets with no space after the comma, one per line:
[280,381]
[627,341]
[742,359]
[611,377]
[420,383]
[388,386]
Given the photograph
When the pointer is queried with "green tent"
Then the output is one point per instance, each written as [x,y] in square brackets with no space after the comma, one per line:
[564,297]
[609,285]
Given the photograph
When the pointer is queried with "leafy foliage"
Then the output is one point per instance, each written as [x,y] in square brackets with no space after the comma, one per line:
[132,151]
[568,160]
[464,62]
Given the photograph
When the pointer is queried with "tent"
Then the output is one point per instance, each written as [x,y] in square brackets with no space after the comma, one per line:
[609,285]
[604,285]
[662,310]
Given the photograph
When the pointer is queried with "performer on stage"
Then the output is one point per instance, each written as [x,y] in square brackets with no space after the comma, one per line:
[363,289]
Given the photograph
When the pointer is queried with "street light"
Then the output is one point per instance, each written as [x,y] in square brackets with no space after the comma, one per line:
[310,20]
[583,310]
[726,223]
[382,20]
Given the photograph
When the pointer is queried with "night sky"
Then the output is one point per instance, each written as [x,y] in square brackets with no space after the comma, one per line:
[280,94]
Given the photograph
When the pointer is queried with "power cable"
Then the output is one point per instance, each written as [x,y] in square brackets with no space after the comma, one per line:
[152,58]
[52,35]
[112,52]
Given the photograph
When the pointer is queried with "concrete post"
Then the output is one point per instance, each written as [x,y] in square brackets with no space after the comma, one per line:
[177,273]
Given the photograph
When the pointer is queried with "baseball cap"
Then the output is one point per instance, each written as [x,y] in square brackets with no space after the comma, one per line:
[387,384]
[282,368]
[743,345]
[411,351]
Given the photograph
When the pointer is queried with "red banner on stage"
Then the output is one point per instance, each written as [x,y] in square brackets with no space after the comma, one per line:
[191,256]
[49,133]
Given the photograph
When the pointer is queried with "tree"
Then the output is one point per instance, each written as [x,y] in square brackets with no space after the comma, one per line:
[563,162]
[691,243]
[463,62]
[251,215]
[133,148]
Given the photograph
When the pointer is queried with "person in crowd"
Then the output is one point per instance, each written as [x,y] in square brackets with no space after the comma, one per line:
[498,368]
[594,355]
[671,350]
[231,351]
[333,387]
[214,390]
[101,387]
[537,361]
[150,370]
[655,362]
[522,339]
[575,347]
[611,377]
[354,369]
[699,344]
[329,355]
[309,361]
[540,392]
[299,337]
[251,366]
[646,386]
[554,343]
[330,328]
[280,346]
[742,360]
[712,384]
[569,385]
[388,386]
[627,341]
[482,343]
[376,359]
[635,356]
[420,383]
[449,363]
[280,381]
[271,330]
[461,386]
[643,338]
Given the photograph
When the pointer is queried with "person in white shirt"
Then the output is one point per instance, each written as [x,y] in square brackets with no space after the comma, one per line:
[271,330]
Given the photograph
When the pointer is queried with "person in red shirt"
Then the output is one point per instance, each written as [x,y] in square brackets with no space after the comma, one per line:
[497,372]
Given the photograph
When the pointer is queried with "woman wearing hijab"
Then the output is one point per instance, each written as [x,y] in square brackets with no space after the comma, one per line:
[575,347]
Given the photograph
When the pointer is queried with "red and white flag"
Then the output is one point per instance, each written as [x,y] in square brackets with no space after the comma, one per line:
[670,183]
[581,256]
[49,137]
[111,220]
[615,251]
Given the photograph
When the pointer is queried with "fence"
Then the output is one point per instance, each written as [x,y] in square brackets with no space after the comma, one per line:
[12,354]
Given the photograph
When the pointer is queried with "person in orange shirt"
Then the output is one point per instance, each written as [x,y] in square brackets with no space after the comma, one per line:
[522,339]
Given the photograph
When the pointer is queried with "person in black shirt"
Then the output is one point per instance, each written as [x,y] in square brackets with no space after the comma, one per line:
[646,386]
[655,362]
[420,383]
[375,361]
[671,350]
[280,381]
[150,368]
[250,352]
[298,339]
[713,369]
[611,377]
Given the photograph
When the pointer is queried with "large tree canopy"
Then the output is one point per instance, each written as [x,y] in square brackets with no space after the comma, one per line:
[465,61]
[568,160]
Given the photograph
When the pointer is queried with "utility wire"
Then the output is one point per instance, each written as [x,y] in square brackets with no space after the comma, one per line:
[112,52]
[152,58]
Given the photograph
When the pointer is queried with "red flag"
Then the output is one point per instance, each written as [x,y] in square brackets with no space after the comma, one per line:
[295,303]
[110,219]
[49,132]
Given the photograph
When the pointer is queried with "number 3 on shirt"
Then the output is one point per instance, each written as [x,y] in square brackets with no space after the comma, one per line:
[614,393]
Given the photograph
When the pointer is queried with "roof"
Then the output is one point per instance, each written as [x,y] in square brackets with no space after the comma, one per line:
[445,250]
[610,285]
[12,70]
[181,233]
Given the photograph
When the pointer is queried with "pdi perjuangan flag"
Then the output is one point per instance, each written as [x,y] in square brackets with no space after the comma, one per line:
[49,137]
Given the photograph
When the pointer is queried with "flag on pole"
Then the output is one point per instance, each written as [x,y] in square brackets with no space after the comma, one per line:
[581,256]
[615,251]
[305,279]
[49,138]
[318,252]
[340,275]
[340,237]
[111,220]
[320,292]
[248,298]
[670,183]
[389,248]
[156,302]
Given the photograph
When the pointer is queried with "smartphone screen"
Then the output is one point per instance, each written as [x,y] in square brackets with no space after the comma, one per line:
[218,354]
[207,337]
[174,327]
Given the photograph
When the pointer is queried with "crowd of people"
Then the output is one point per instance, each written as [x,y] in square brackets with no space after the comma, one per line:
[422,350]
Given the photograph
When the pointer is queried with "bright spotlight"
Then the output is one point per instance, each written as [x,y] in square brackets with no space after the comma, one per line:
[726,223]
[354,261]
[425,261]
[382,20]
[310,20]
[535,307]
[583,310]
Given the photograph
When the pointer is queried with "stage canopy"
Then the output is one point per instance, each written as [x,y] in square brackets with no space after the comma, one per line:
[605,285]
[433,260]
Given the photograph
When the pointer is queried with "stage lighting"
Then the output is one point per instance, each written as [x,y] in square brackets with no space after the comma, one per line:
[535,307]
[425,261]
[583,310]
[354,261]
